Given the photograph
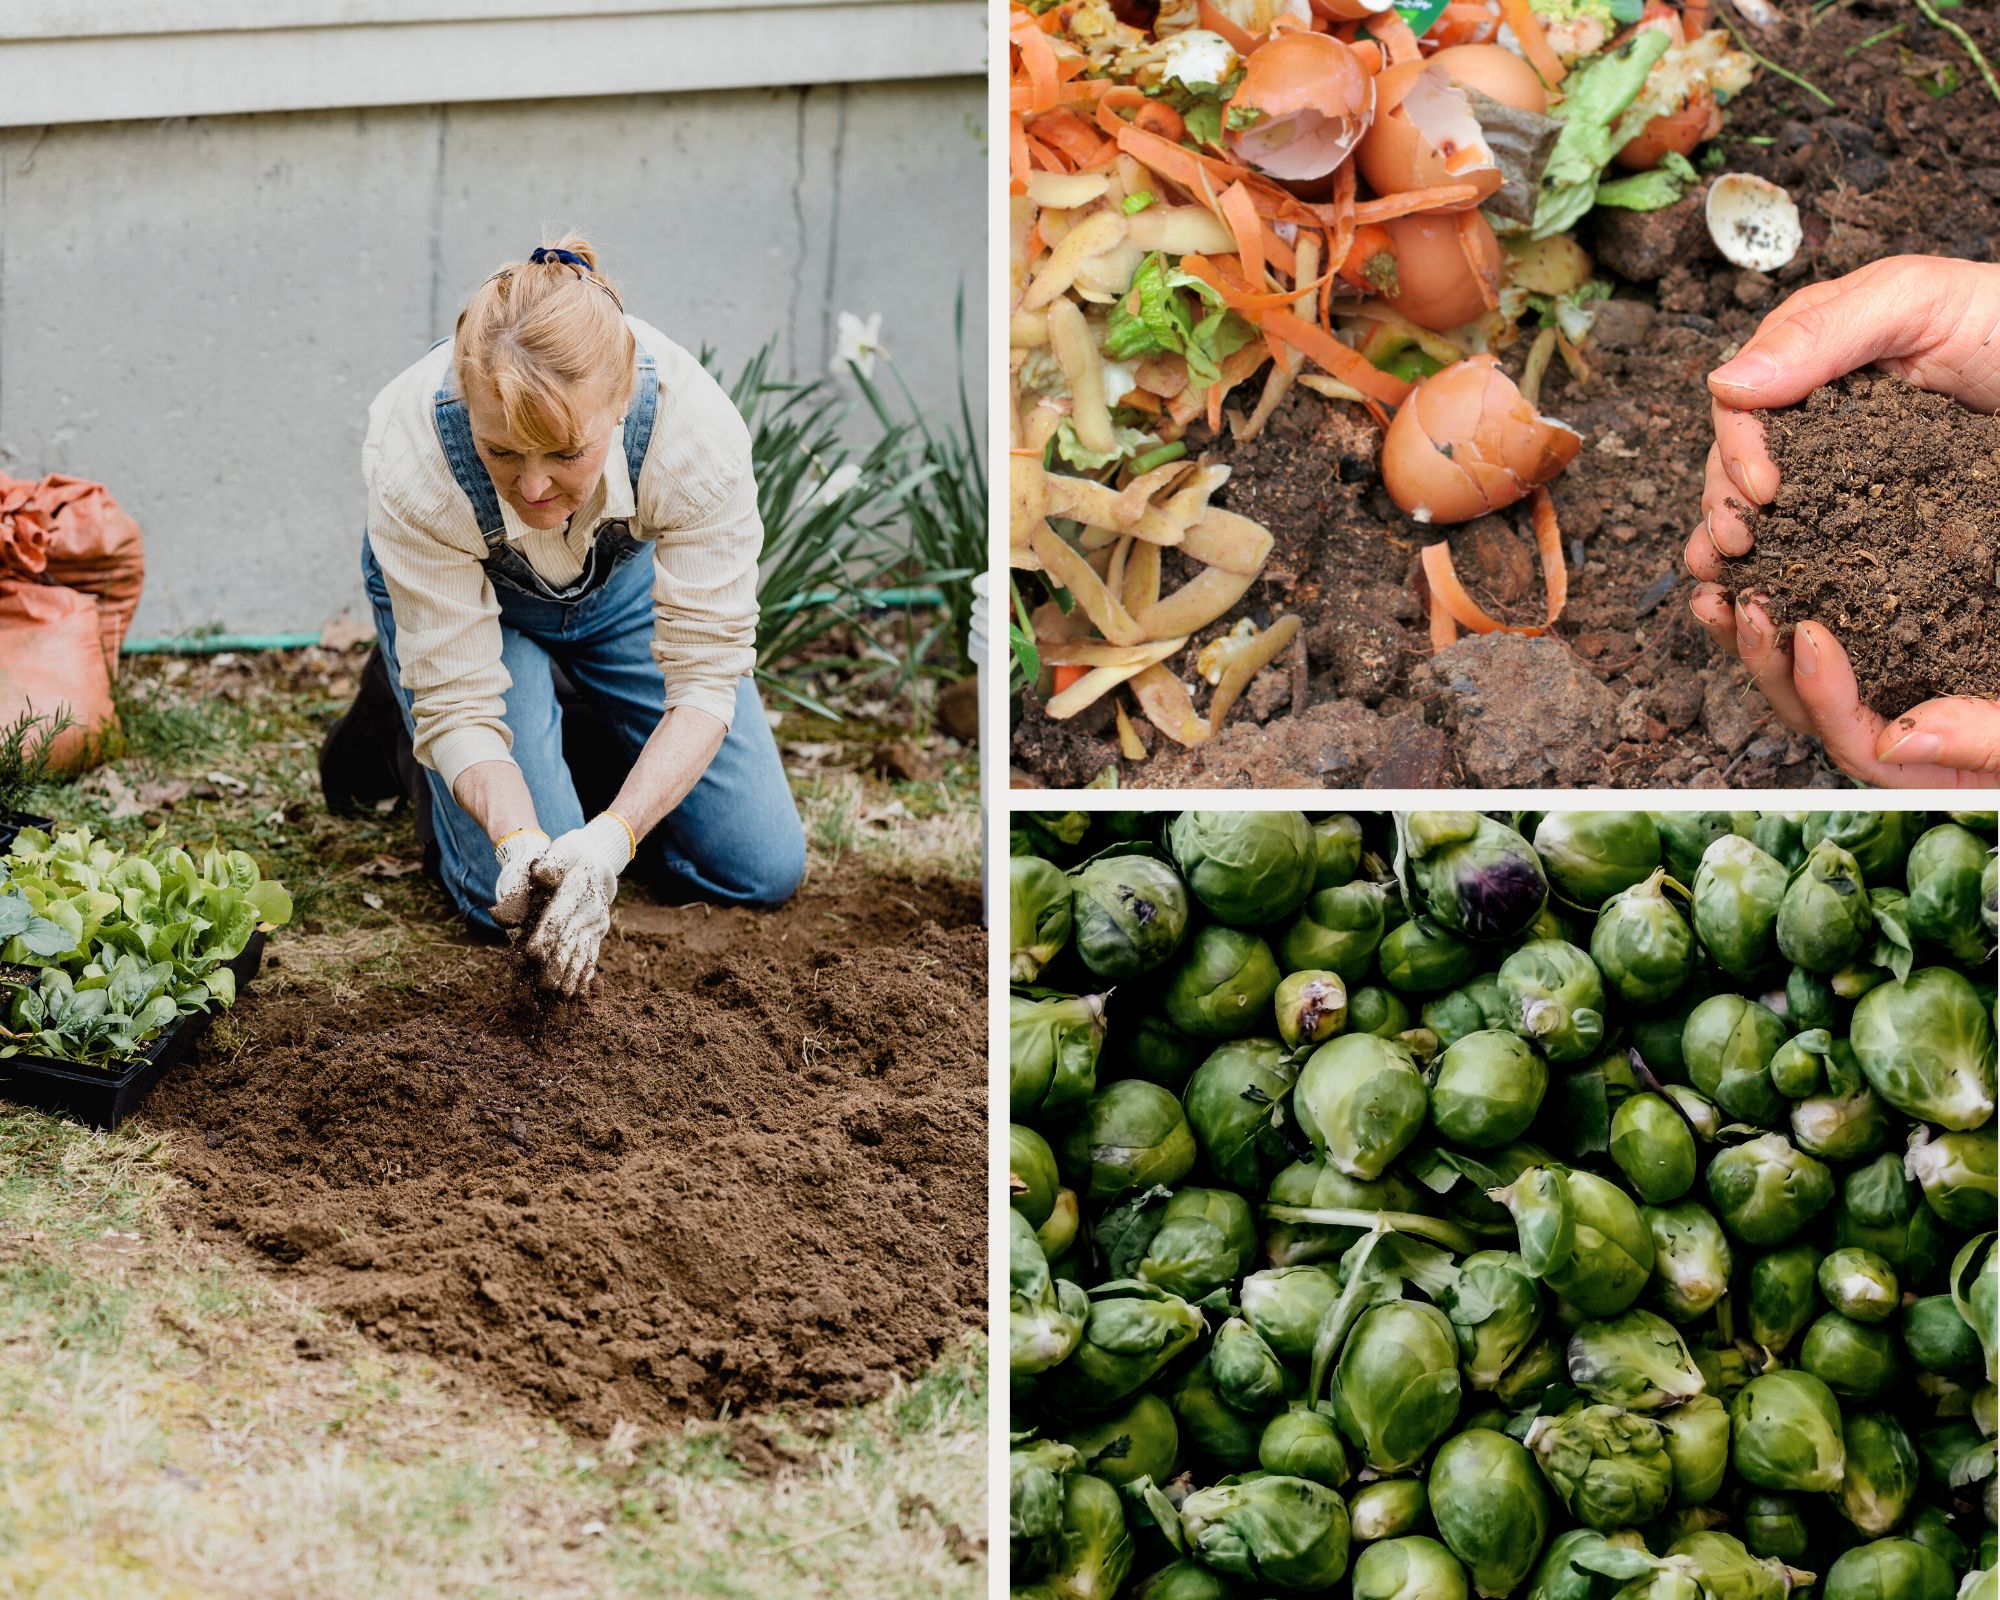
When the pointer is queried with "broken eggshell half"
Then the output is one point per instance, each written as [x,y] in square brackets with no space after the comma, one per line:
[1467,442]
[1754,223]
[1425,136]
[1447,270]
[1303,105]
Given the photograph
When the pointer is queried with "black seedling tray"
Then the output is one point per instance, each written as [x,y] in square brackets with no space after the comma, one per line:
[105,1099]
[12,822]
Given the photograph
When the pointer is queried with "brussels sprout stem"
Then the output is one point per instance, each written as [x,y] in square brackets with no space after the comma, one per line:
[1459,1241]
[1541,1016]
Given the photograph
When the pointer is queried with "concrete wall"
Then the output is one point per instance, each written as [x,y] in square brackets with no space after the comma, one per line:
[198,310]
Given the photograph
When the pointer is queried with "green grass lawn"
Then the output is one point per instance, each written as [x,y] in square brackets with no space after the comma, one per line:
[173,1424]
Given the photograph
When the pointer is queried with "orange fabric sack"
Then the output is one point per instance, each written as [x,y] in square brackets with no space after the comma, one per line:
[52,659]
[73,531]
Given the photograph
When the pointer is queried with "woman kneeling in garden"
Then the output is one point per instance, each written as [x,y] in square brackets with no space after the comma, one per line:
[561,484]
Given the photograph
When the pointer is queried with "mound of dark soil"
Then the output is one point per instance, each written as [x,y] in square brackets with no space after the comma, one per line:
[748,1170]
[1885,528]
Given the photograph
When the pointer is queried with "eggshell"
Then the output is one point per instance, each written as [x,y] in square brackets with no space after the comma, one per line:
[1315,103]
[1495,72]
[1680,131]
[1753,223]
[1466,442]
[1436,286]
[1424,136]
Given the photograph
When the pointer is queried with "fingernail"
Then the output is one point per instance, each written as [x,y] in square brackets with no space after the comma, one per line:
[1747,630]
[1747,371]
[1914,747]
[1805,653]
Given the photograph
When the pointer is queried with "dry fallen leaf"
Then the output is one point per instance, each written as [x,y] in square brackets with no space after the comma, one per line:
[389,867]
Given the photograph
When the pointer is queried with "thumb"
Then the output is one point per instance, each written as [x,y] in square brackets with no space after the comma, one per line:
[1955,732]
[1818,335]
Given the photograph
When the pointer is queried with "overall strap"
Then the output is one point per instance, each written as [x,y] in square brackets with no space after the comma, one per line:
[639,420]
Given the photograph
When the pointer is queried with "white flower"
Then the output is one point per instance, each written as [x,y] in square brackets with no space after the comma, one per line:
[857,343]
[843,477]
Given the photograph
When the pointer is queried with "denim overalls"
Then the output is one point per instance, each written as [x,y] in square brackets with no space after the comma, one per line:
[736,837]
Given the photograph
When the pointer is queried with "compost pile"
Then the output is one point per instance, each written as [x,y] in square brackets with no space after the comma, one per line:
[746,1171]
[1574,1206]
[1886,526]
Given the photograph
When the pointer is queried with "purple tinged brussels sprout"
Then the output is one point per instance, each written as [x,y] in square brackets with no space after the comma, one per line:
[1926,1047]
[1487,1499]
[1130,913]
[1312,1008]
[1038,915]
[1637,1362]
[1785,1433]
[1476,877]
[1276,1532]
[1361,1100]
[1247,868]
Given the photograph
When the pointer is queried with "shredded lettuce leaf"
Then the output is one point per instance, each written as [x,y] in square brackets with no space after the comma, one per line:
[1650,191]
[1597,95]
[1154,318]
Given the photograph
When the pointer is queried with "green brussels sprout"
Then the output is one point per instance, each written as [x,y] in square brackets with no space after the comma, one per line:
[1209,1423]
[1637,1362]
[1494,1309]
[1652,1144]
[1475,1004]
[1879,1482]
[1045,1315]
[1410,1568]
[1944,902]
[1878,840]
[1609,1467]
[1956,1173]
[1581,1236]
[1204,1240]
[1361,1100]
[1859,1284]
[1932,1529]
[1593,855]
[1319,1186]
[1302,1442]
[1396,1387]
[1420,957]
[1785,1433]
[1284,1304]
[1130,1136]
[1696,1433]
[1150,1047]
[1229,1103]
[1737,894]
[1939,1340]
[1691,1259]
[1279,1532]
[1975,1290]
[1882,1210]
[1131,913]
[1478,878]
[1783,1295]
[1388,1508]
[1132,1331]
[1825,916]
[1032,1181]
[1926,1046]
[1142,1441]
[1557,998]
[1701,1113]
[1728,1044]
[1955,1455]
[1247,1372]
[1838,1127]
[1776,833]
[1380,1012]
[1765,1191]
[1773,1526]
[1038,915]
[1336,931]
[1178,1580]
[1052,1045]
[1849,1357]
[1889,1569]
[1221,987]
[1312,1007]
[1486,1090]
[1722,1566]
[1487,1499]
[1095,1544]
[1810,1001]
[1038,1472]
[1642,945]
[1798,1067]
[1337,848]
[1579,1565]
[1245,867]
[1532,1373]
[1686,835]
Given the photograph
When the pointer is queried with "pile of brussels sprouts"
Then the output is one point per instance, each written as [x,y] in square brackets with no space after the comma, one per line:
[1571,1205]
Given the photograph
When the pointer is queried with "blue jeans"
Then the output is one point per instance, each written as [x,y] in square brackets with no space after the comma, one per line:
[735,838]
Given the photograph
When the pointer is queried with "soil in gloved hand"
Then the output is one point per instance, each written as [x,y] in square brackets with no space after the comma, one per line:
[1886,529]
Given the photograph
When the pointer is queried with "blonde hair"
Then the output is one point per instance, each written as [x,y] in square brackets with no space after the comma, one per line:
[549,338]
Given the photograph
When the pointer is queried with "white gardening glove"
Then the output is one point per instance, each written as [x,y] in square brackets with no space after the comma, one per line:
[516,852]
[581,872]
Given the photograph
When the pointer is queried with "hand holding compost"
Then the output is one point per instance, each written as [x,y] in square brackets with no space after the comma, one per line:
[1623,1231]
[1928,321]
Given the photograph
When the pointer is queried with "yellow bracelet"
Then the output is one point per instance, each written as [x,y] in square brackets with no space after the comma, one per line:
[515,834]
[629,834]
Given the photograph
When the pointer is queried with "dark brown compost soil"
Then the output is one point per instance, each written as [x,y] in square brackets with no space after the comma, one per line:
[1628,691]
[748,1170]
[1885,527]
